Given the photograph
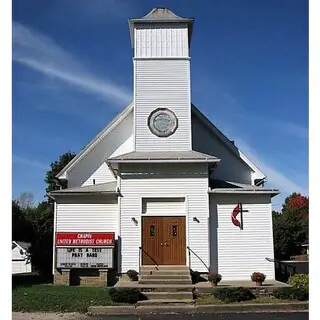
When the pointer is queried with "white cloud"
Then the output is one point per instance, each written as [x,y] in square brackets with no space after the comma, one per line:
[293,129]
[276,178]
[42,54]
[29,163]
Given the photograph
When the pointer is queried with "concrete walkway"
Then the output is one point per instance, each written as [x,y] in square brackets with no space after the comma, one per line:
[268,284]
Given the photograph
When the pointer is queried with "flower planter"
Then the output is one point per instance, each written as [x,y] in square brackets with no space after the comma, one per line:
[213,284]
[258,283]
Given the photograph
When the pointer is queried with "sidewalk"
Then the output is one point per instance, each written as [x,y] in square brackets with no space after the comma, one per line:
[193,309]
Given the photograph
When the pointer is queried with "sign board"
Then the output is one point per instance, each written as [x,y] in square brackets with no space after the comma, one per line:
[84,239]
[84,257]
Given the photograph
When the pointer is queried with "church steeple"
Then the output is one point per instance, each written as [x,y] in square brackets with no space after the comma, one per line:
[162,101]
[174,41]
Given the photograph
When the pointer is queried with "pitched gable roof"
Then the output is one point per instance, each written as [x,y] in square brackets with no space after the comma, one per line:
[222,186]
[164,156]
[101,188]
[63,174]
[22,245]
[228,143]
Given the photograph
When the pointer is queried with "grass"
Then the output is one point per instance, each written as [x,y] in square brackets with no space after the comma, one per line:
[49,298]
[210,299]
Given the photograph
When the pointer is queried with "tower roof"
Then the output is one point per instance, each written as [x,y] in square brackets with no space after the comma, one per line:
[160,15]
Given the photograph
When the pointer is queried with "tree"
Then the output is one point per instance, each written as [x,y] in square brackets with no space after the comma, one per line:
[56,167]
[25,200]
[291,226]
[21,227]
[35,223]
[42,241]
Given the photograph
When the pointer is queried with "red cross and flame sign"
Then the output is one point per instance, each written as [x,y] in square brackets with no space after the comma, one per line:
[238,209]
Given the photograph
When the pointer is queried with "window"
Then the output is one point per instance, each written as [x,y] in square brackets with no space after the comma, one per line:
[174,230]
[152,231]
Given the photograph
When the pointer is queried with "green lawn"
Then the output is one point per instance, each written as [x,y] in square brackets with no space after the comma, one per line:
[210,299]
[49,298]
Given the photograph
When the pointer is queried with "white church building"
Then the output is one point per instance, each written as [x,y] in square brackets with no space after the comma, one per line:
[160,182]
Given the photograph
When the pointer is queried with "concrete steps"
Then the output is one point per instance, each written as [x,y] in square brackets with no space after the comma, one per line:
[165,285]
[149,281]
[166,276]
[165,302]
[169,295]
[164,272]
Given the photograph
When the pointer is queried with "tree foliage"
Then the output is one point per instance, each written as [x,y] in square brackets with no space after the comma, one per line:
[56,167]
[21,226]
[34,223]
[291,226]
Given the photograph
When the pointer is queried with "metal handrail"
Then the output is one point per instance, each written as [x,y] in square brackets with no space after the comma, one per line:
[190,250]
[286,267]
[140,256]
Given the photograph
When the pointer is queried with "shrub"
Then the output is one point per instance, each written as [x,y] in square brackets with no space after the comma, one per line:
[300,281]
[133,275]
[258,277]
[125,295]
[214,277]
[289,293]
[233,294]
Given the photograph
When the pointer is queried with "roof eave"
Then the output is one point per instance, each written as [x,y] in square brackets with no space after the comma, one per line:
[83,193]
[220,135]
[63,174]
[162,160]
[272,192]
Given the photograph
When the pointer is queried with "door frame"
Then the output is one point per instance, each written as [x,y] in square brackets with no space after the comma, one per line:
[186,215]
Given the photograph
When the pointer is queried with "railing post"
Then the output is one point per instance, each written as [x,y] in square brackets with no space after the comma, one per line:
[140,260]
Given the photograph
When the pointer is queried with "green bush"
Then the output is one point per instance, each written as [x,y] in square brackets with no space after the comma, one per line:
[233,294]
[300,281]
[289,293]
[125,295]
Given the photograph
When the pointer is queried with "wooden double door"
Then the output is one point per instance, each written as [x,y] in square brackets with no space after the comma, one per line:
[163,241]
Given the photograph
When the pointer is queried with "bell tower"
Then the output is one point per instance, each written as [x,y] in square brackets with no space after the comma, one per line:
[161,67]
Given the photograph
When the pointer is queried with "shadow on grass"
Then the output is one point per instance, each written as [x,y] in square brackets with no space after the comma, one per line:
[29,279]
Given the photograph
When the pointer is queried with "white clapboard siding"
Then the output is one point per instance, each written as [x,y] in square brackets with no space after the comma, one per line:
[230,167]
[20,267]
[161,41]
[162,84]
[19,261]
[87,214]
[92,162]
[163,206]
[102,175]
[193,189]
[242,252]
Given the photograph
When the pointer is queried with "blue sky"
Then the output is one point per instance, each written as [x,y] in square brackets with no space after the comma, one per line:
[72,73]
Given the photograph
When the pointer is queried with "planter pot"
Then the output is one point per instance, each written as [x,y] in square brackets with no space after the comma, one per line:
[258,283]
[213,284]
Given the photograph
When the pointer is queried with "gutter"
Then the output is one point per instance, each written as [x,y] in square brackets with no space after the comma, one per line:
[52,196]
[244,191]
[152,160]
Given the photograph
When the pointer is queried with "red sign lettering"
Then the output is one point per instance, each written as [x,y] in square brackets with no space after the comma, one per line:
[84,239]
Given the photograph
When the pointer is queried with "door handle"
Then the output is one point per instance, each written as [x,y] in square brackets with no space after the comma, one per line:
[161,244]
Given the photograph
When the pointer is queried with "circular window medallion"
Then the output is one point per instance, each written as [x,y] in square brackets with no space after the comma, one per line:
[162,122]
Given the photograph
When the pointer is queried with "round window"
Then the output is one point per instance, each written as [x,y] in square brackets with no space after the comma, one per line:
[162,122]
